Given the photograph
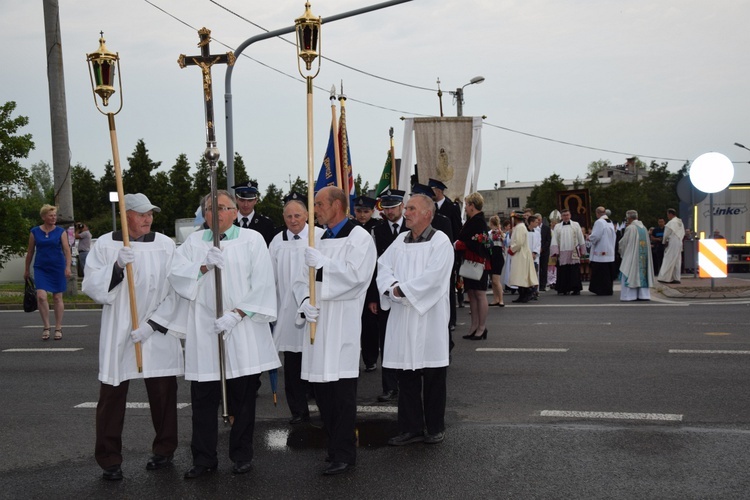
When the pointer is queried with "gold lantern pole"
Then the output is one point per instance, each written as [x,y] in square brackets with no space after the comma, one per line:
[307,27]
[102,65]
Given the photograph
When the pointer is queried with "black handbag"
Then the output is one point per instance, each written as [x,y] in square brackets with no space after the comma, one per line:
[29,296]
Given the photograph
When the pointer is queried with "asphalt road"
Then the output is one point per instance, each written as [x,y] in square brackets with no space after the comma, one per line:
[569,397]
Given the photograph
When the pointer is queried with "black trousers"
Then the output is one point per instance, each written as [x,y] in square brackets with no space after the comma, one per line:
[421,400]
[569,278]
[389,375]
[205,398]
[110,419]
[601,278]
[370,337]
[295,388]
[337,402]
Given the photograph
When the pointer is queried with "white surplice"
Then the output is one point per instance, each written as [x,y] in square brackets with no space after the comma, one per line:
[602,240]
[288,257]
[671,266]
[162,354]
[340,297]
[568,243]
[417,329]
[247,284]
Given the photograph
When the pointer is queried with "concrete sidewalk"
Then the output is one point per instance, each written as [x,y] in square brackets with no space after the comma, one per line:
[732,287]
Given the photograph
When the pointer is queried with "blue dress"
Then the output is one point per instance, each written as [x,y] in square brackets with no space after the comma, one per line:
[49,261]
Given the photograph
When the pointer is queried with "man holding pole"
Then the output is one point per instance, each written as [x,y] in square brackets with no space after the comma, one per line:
[151,255]
[344,262]
[249,301]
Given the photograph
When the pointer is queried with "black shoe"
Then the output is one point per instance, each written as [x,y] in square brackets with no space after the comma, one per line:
[388,396]
[406,438]
[298,419]
[371,368]
[241,467]
[158,462]
[197,471]
[469,335]
[113,473]
[577,292]
[479,337]
[337,468]
[436,438]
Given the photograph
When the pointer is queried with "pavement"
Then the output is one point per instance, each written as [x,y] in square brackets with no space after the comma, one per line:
[689,287]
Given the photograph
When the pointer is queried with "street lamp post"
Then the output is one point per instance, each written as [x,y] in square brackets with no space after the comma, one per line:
[459,94]
[102,65]
[741,146]
[307,27]
[114,198]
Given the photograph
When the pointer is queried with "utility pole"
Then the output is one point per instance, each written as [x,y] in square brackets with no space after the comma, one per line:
[58,113]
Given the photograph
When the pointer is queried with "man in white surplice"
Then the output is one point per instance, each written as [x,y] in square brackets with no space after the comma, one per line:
[104,281]
[671,266]
[249,302]
[413,280]
[344,262]
[637,267]
[288,256]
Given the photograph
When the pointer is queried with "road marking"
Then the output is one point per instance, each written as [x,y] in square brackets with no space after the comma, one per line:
[180,406]
[520,349]
[671,417]
[46,349]
[367,409]
[64,327]
[574,324]
[697,351]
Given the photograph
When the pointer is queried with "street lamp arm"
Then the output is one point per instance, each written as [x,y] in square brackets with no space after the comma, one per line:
[741,146]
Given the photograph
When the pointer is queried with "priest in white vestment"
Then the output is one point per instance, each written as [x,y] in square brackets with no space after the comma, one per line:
[249,303]
[288,257]
[151,257]
[344,262]
[413,280]
[569,245]
[636,268]
[674,233]
[602,253]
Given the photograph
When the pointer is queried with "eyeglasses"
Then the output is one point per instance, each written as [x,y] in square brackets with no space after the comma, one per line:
[222,209]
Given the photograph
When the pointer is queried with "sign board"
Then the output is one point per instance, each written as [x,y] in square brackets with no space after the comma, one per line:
[712,258]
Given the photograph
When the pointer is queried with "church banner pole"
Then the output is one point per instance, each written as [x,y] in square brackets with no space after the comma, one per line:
[211,154]
[307,28]
[102,65]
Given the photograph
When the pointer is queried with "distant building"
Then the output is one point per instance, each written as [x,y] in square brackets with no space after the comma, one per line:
[625,172]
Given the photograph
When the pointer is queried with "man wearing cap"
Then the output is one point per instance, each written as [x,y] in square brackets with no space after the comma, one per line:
[151,255]
[392,203]
[247,195]
[413,283]
[287,256]
[446,207]
[363,208]
[345,260]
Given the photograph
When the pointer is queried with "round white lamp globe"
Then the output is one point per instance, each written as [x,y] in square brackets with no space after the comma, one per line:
[711,172]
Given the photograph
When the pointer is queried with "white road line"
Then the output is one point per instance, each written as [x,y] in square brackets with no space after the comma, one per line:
[670,417]
[180,406]
[697,351]
[46,349]
[520,349]
[573,324]
[367,409]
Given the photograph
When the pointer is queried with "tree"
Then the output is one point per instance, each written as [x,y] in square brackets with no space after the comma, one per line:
[40,187]
[107,183]
[543,198]
[86,194]
[183,199]
[359,188]
[240,172]
[202,181]
[299,186]
[272,205]
[159,194]
[137,178]
[14,237]
[597,166]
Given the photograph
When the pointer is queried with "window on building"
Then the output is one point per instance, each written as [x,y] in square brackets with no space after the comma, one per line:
[513,203]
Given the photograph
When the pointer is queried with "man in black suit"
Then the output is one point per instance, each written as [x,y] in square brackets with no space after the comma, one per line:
[444,206]
[247,195]
[392,203]
[544,254]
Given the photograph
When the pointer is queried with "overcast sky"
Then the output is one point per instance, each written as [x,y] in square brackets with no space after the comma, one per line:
[666,79]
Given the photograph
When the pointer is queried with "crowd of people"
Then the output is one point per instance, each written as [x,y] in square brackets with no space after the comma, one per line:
[239,292]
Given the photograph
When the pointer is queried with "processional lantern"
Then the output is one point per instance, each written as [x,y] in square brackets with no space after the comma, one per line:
[307,27]
[103,67]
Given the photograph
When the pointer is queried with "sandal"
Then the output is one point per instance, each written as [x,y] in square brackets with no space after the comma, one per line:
[45,334]
[58,334]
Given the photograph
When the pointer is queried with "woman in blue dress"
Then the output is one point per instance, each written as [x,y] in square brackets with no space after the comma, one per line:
[51,267]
